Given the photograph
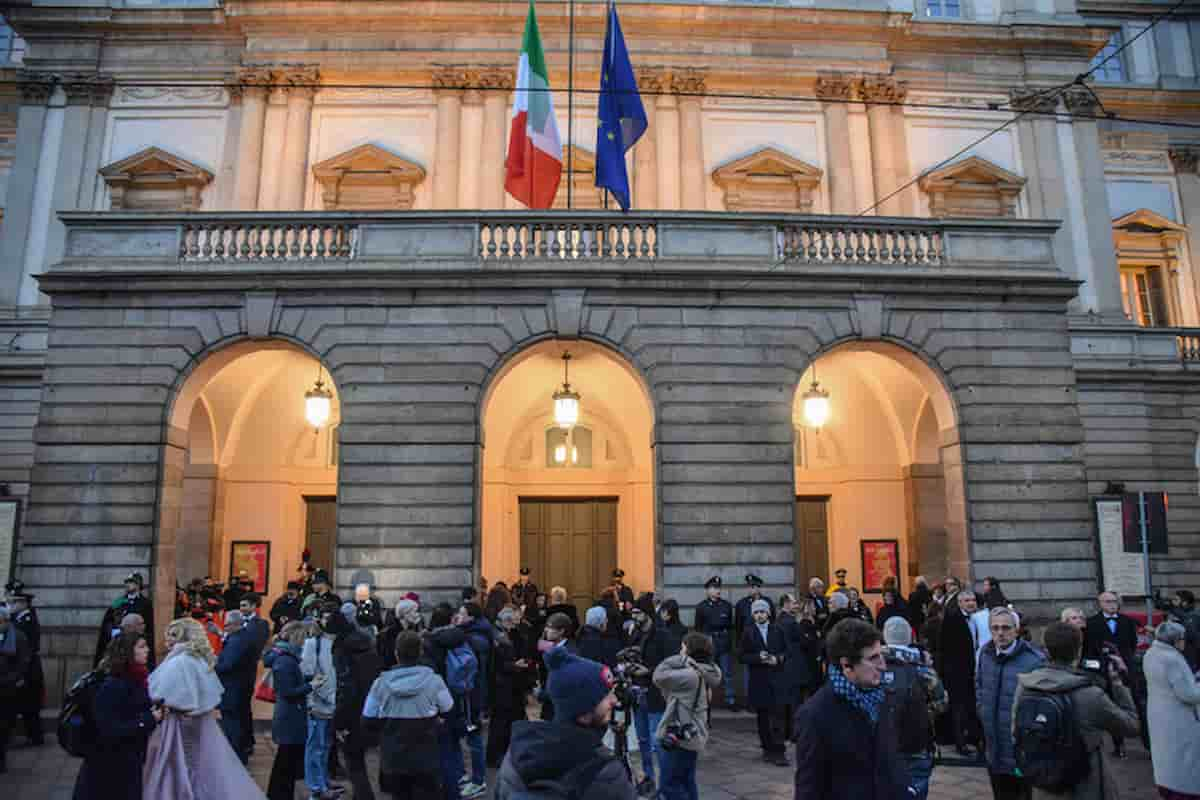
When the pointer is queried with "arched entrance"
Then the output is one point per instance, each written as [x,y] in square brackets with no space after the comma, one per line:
[570,508]
[247,479]
[886,466]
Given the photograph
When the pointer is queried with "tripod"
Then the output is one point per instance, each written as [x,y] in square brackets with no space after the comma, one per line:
[620,733]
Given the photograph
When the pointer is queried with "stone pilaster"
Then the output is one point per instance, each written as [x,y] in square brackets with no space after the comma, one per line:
[249,90]
[645,152]
[496,85]
[35,90]
[301,86]
[448,83]
[881,94]
[835,92]
[1187,176]
[689,86]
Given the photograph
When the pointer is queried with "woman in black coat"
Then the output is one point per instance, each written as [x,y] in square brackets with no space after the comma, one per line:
[124,720]
[797,676]
[891,608]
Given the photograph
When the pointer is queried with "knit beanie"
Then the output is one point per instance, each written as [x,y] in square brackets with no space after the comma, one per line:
[596,616]
[897,631]
[405,607]
[760,605]
[576,685]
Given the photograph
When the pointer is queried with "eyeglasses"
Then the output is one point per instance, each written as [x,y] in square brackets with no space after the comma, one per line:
[1003,627]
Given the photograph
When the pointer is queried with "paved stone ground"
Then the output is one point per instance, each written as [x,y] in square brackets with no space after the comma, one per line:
[730,770]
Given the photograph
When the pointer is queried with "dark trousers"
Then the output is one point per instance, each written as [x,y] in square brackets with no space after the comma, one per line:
[418,787]
[500,733]
[356,765]
[678,778]
[8,717]
[287,768]
[1010,787]
[33,725]
[770,730]
[966,722]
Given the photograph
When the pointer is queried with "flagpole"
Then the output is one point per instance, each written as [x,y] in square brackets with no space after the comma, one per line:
[570,102]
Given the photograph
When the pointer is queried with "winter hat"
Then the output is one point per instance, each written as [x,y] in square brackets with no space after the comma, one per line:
[576,685]
[897,631]
[760,605]
[405,607]
[350,612]
[596,616]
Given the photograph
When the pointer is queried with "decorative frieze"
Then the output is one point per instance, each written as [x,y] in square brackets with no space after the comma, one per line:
[834,87]
[87,89]
[1081,100]
[299,81]
[689,81]
[652,80]
[170,96]
[1028,101]
[882,90]
[36,88]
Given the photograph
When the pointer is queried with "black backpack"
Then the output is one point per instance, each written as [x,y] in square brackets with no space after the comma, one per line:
[910,708]
[77,732]
[572,786]
[1050,752]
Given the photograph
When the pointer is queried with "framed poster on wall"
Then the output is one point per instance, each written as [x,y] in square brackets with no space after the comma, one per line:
[255,559]
[880,561]
[10,519]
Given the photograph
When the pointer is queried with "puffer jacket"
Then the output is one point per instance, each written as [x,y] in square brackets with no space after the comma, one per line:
[995,693]
[543,754]
[1095,713]
[686,684]
[317,659]
[290,723]
[404,704]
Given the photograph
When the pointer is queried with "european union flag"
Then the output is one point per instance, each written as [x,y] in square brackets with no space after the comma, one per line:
[622,116]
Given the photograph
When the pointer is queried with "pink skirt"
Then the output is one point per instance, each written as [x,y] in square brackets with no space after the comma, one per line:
[189,758]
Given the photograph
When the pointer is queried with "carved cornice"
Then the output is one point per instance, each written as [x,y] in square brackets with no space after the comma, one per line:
[834,87]
[689,81]
[449,77]
[651,80]
[1186,160]
[88,89]
[1028,101]
[251,80]
[879,90]
[35,87]
[493,78]
[298,81]
[1080,100]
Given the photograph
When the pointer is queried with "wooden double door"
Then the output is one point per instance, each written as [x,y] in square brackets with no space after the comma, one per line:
[570,543]
[812,540]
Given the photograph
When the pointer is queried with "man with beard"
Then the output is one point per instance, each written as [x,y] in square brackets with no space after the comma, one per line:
[131,602]
[566,757]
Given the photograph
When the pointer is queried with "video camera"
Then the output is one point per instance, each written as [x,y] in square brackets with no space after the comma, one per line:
[1101,667]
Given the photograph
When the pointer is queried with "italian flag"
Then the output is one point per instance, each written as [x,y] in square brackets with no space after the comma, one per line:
[534,163]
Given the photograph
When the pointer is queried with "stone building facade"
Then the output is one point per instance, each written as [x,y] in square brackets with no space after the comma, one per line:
[210,205]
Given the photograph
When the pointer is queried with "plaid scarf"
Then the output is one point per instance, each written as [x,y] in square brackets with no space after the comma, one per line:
[868,702]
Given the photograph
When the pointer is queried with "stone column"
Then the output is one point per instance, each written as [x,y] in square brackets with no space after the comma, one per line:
[645,152]
[447,86]
[1102,290]
[666,146]
[835,91]
[1187,177]
[101,96]
[470,146]
[497,85]
[300,85]
[878,94]
[693,182]
[1046,187]
[18,213]
[251,89]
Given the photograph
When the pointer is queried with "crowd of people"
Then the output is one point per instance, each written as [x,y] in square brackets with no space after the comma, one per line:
[865,696]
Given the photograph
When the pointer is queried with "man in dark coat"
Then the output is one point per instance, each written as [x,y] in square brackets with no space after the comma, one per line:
[236,667]
[1110,633]
[624,593]
[956,665]
[30,698]
[515,676]
[714,617]
[816,593]
[357,664]
[524,591]
[846,746]
[14,670]
[132,602]
[287,607]
[763,650]
[593,641]
[918,600]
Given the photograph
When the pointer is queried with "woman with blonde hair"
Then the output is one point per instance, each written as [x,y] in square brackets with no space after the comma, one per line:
[188,756]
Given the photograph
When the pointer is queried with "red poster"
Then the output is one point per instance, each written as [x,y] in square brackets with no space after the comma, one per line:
[880,561]
[255,559]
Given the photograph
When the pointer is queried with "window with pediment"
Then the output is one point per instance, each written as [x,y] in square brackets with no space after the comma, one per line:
[1148,249]
[368,177]
[155,180]
[973,187]
[768,180]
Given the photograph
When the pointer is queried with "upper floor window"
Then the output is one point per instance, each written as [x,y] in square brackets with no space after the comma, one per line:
[12,46]
[943,8]
[1144,296]
[1111,70]
[571,448]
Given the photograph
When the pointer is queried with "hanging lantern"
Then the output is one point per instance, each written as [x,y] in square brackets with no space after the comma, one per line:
[816,404]
[566,402]
[318,403]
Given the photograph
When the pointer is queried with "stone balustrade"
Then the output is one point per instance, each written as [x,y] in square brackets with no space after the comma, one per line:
[245,241]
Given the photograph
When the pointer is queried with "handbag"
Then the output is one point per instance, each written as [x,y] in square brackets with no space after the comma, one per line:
[676,733]
[265,690]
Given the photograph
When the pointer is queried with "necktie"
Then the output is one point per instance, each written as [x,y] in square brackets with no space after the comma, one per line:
[1112,625]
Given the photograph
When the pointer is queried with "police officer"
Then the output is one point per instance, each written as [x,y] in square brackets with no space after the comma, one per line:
[624,593]
[744,618]
[524,592]
[714,617]
[29,698]
[131,602]
[287,607]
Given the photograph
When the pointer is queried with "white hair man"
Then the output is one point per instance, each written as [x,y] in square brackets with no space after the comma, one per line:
[908,668]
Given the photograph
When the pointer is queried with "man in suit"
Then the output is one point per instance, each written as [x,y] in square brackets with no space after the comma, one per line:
[956,665]
[763,650]
[1112,636]
[260,633]
[132,602]
[816,593]
[236,667]
[714,617]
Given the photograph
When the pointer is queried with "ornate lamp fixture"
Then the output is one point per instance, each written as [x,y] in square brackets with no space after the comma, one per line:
[318,403]
[566,401]
[816,404]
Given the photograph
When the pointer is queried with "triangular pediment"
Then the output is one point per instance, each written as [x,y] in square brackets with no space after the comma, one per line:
[368,158]
[1145,220]
[154,161]
[767,162]
[974,170]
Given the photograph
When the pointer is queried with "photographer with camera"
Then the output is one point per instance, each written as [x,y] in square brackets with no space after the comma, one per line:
[632,664]
[1112,636]
[686,680]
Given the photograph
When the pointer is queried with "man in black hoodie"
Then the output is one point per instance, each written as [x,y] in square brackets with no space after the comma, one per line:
[357,665]
[443,637]
[566,758]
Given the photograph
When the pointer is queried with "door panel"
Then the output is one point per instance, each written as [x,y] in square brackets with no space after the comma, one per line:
[570,543]
[320,530]
[812,540]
